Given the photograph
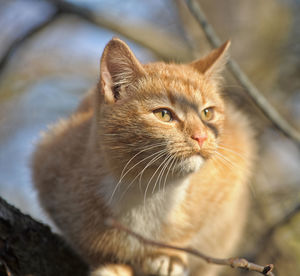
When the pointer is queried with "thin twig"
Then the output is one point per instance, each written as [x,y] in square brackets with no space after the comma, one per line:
[241,77]
[25,37]
[233,262]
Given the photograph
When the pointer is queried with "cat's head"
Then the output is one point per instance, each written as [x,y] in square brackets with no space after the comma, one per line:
[159,117]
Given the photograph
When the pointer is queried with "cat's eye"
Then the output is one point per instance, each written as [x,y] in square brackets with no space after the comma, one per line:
[164,115]
[207,114]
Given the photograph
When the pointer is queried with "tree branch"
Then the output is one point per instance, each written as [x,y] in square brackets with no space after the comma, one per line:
[233,262]
[264,240]
[241,77]
[25,37]
[165,46]
[28,247]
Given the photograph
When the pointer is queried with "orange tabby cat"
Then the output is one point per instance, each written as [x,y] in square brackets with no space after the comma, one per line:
[156,147]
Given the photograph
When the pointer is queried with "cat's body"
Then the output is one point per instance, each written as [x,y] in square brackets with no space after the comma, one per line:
[182,181]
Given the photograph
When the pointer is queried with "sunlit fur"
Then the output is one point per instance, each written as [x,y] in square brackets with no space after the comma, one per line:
[114,157]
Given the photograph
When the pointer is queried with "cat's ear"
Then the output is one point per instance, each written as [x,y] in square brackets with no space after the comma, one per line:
[118,69]
[214,62]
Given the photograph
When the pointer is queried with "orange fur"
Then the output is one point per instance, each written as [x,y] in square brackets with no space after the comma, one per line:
[113,157]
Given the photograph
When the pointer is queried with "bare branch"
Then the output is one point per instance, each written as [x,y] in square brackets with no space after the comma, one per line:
[264,240]
[285,220]
[240,76]
[28,247]
[165,46]
[233,262]
[25,37]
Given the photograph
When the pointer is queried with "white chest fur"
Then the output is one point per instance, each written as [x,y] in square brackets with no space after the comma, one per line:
[142,214]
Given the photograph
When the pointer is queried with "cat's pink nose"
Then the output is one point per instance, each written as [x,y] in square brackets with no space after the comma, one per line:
[200,138]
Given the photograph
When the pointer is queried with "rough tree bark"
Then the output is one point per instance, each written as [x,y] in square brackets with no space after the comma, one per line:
[29,248]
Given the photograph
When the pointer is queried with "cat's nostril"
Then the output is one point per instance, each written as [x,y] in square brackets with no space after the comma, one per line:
[200,138]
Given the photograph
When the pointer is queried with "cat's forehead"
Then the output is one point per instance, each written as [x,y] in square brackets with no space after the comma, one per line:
[170,73]
[180,83]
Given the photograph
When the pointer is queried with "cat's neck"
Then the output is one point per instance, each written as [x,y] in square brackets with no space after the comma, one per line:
[147,214]
[127,199]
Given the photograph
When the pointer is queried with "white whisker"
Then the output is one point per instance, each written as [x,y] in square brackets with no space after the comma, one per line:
[233,166]
[149,164]
[166,162]
[157,156]
[232,151]
[166,177]
[173,170]
[219,159]
[124,174]
[145,194]
[145,149]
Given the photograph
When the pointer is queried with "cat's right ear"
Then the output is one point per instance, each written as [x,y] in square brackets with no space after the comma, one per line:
[118,69]
[214,63]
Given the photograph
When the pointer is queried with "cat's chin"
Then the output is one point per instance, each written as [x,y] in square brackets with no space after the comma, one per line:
[191,164]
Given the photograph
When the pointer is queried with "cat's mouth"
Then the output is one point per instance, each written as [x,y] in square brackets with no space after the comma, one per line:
[203,153]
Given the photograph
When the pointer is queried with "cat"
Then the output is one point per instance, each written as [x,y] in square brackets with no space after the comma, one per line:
[156,147]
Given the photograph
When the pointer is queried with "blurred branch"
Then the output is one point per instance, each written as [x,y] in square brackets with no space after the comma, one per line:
[241,77]
[25,37]
[268,235]
[164,46]
[285,220]
[232,262]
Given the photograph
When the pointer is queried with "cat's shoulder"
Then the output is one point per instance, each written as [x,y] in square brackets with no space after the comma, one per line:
[71,128]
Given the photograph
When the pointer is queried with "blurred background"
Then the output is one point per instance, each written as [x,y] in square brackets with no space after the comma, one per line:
[49,56]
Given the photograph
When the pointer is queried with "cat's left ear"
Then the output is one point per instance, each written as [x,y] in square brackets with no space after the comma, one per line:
[118,69]
[212,64]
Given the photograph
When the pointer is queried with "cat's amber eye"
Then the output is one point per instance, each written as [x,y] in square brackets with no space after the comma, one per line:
[207,114]
[164,115]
